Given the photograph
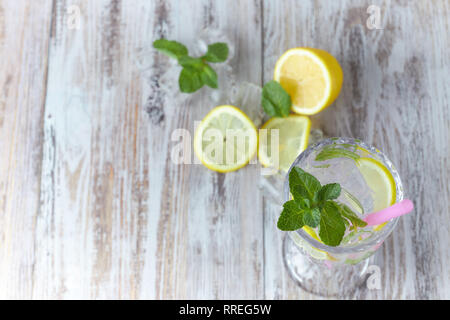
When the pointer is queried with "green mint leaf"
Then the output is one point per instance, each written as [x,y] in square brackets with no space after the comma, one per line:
[303,185]
[334,152]
[303,203]
[323,166]
[276,102]
[348,146]
[196,65]
[190,80]
[173,49]
[347,213]
[209,77]
[349,236]
[191,63]
[347,224]
[353,200]
[331,226]
[217,52]
[330,191]
[311,217]
[291,218]
[353,234]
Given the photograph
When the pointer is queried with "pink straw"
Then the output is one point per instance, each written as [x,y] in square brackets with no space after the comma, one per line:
[398,209]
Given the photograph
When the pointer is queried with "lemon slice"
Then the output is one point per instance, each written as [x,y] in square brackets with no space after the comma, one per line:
[226,139]
[293,134]
[312,233]
[312,251]
[379,180]
[309,249]
[312,77]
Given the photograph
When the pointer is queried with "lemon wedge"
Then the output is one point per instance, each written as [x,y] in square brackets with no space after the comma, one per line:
[293,134]
[226,139]
[312,77]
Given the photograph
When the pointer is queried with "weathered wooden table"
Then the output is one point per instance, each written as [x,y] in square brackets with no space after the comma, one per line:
[91,206]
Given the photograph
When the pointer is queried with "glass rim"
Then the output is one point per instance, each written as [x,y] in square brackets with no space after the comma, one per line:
[381,235]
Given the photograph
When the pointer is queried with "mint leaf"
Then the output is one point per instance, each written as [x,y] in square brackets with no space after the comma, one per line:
[190,80]
[353,200]
[322,166]
[347,224]
[348,146]
[334,152]
[196,67]
[173,49]
[311,217]
[303,185]
[347,213]
[291,218]
[209,76]
[217,52]
[303,203]
[276,102]
[191,63]
[331,226]
[330,191]
[353,234]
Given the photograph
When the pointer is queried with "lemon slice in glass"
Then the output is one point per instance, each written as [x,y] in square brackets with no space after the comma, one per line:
[380,181]
[313,252]
[226,139]
[293,134]
[312,77]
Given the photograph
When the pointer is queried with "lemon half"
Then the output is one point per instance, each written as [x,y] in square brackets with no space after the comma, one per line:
[312,77]
[226,139]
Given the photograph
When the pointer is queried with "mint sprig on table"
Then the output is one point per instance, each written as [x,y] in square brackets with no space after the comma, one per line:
[315,205]
[196,72]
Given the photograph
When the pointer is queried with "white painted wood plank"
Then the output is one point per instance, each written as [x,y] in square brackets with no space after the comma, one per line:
[24,35]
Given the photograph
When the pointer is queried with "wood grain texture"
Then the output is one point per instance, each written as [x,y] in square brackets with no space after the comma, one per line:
[395,96]
[24,35]
[91,203]
[119,219]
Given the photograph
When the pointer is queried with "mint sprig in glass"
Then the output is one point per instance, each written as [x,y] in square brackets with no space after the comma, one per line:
[315,205]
